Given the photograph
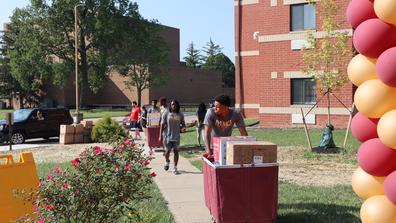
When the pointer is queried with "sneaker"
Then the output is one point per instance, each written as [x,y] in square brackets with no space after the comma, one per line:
[166,167]
[175,171]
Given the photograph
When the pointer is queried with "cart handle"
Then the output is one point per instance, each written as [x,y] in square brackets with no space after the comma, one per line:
[9,158]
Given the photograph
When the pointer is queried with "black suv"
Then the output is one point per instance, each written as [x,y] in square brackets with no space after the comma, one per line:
[35,123]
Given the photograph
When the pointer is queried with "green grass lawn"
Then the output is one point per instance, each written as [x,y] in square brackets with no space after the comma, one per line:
[153,210]
[99,113]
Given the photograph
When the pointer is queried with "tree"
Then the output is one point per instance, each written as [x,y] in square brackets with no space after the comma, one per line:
[327,58]
[26,88]
[102,27]
[193,58]
[222,63]
[145,59]
[211,49]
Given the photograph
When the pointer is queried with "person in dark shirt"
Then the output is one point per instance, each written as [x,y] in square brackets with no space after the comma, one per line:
[201,112]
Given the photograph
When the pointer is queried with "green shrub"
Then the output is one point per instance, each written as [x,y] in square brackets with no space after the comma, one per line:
[103,185]
[107,130]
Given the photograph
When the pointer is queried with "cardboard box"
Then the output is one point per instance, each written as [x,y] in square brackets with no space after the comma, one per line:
[251,152]
[66,129]
[78,138]
[220,146]
[153,119]
[86,123]
[65,139]
[78,128]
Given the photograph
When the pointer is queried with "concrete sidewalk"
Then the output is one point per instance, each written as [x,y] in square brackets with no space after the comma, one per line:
[184,192]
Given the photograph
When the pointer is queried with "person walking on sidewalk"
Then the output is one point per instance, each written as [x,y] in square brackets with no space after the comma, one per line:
[201,112]
[134,118]
[220,119]
[171,121]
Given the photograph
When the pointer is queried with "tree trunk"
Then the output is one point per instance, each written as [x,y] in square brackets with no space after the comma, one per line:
[84,73]
[21,102]
[328,108]
[139,96]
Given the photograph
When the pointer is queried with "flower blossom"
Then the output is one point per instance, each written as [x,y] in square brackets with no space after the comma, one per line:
[75,162]
[98,150]
[57,170]
[152,174]
[128,167]
[65,185]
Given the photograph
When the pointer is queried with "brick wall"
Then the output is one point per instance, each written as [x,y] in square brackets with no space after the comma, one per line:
[184,84]
[263,75]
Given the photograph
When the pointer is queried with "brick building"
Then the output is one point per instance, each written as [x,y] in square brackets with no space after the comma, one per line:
[269,36]
[187,85]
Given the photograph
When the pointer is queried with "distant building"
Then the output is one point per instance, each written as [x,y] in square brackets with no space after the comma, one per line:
[269,36]
[187,85]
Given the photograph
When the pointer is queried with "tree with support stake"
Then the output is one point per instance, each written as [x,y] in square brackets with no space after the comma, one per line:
[325,59]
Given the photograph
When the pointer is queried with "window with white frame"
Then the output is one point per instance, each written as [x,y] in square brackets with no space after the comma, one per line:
[303,91]
[302,17]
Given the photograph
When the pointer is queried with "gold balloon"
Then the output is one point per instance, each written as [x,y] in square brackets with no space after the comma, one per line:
[361,69]
[378,209]
[374,98]
[386,129]
[386,10]
[366,185]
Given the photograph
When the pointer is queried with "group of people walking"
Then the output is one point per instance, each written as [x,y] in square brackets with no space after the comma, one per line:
[218,120]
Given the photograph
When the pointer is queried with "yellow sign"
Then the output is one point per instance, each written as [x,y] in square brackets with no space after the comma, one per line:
[16,177]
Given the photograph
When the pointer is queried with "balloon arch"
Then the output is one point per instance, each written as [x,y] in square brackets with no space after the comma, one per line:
[374,72]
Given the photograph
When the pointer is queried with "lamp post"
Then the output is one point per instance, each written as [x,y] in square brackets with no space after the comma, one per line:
[77,117]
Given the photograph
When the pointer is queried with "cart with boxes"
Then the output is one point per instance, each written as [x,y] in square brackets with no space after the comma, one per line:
[242,184]
[153,129]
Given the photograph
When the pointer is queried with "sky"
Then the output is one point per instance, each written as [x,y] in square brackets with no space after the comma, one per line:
[197,20]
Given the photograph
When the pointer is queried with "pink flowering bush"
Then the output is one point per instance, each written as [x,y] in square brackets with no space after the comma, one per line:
[103,185]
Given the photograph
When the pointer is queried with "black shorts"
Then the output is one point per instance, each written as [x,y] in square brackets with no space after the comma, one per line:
[134,124]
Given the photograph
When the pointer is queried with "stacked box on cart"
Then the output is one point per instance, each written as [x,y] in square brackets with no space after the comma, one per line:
[220,146]
[251,152]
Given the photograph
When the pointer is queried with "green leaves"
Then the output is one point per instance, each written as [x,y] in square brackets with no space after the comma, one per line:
[326,58]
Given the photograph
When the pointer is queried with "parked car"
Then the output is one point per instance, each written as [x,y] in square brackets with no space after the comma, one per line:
[35,123]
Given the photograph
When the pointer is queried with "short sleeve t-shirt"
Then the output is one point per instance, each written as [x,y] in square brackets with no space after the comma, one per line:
[135,114]
[222,125]
[172,121]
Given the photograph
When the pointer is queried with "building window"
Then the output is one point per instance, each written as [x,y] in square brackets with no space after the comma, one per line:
[302,17]
[303,91]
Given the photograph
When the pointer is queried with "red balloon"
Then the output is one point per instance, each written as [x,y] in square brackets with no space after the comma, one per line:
[373,36]
[364,128]
[385,67]
[390,187]
[376,159]
[359,11]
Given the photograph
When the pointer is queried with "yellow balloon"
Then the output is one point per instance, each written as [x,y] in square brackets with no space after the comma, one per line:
[361,69]
[374,98]
[386,10]
[366,185]
[386,129]
[378,209]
